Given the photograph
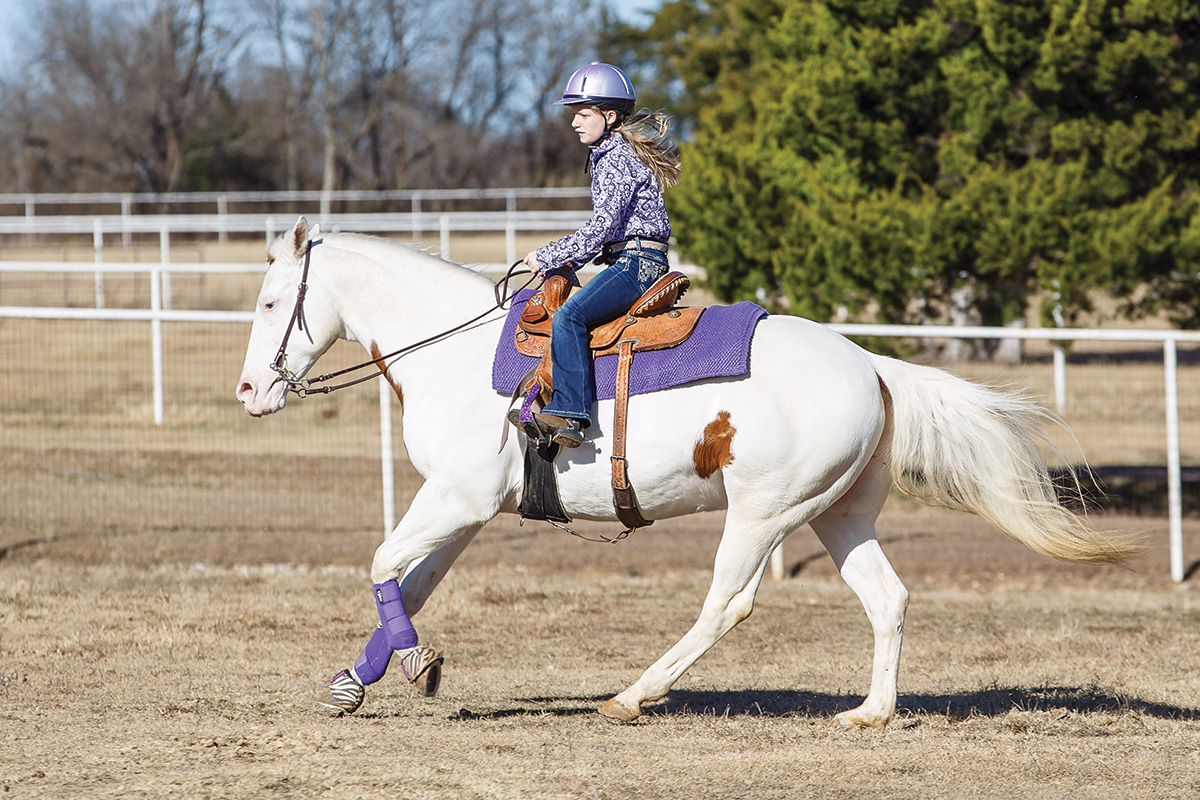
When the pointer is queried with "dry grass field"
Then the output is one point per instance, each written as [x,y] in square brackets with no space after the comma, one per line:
[172,601]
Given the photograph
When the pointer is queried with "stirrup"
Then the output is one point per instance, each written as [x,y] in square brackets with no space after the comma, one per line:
[530,428]
[567,434]
[541,429]
[423,668]
[345,694]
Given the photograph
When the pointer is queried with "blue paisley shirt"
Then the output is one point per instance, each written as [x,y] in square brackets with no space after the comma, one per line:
[626,202]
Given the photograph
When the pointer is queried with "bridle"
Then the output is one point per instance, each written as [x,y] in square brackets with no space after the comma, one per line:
[303,387]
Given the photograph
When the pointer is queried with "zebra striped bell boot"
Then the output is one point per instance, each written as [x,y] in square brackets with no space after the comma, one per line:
[345,694]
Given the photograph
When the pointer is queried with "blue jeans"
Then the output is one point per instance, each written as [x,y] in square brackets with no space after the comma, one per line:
[602,299]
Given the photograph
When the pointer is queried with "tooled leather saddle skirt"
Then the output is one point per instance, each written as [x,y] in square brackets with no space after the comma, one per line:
[653,322]
[679,345]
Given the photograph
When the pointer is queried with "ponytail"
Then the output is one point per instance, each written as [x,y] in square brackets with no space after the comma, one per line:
[649,135]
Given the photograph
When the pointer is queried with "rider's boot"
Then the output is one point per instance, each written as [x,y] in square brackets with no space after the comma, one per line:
[563,431]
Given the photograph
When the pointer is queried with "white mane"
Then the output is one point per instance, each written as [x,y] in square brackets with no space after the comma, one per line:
[392,254]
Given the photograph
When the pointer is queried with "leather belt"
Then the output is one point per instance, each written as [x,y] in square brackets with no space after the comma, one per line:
[610,250]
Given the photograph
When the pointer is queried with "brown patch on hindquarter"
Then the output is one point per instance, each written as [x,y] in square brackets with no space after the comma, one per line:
[377,356]
[713,452]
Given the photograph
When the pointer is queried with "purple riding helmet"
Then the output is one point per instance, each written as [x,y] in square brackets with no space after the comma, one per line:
[601,85]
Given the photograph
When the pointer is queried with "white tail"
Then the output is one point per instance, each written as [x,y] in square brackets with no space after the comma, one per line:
[977,449]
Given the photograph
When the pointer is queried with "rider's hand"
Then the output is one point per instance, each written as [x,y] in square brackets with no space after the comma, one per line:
[532,262]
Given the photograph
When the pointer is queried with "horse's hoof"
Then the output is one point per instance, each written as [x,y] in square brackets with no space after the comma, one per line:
[618,711]
[849,720]
[423,668]
[345,694]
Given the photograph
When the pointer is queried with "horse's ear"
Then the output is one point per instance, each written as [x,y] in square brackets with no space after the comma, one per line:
[299,236]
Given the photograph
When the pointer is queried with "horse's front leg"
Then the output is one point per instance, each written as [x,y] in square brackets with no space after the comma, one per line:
[438,526]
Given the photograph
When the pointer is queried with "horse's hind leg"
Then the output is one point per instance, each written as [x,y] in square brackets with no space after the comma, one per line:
[742,557]
[848,532]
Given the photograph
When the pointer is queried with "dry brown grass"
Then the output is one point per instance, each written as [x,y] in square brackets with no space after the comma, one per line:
[172,601]
[155,678]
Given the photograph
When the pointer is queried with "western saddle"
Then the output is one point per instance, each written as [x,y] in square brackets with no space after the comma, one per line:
[653,322]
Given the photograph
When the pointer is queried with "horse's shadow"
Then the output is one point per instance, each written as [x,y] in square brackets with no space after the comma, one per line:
[990,702]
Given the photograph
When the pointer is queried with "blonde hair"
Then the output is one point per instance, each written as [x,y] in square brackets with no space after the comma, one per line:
[649,135]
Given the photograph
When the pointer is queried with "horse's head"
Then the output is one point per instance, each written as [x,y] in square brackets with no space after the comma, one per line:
[260,389]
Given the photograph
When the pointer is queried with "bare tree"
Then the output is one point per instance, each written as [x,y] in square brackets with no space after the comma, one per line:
[293,78]
[138,84]
[340,93]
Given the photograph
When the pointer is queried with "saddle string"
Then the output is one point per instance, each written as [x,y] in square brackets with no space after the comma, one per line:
[303,387]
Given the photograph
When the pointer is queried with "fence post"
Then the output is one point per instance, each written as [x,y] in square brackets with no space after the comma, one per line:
[126,214]
[417,233]
[164,257]
[222,221]
[778,570]
[510,229]
[156,339]
[98,248]
[444,219]
[1060,379]
[29,214]
[1174,481]
[386,456]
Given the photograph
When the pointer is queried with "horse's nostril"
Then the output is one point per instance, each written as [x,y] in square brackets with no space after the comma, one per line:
[245,390]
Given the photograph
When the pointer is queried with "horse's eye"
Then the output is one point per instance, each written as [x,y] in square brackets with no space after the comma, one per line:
[269,305]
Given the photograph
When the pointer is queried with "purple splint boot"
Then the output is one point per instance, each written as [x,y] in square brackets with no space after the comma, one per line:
[422,666]
[396,625]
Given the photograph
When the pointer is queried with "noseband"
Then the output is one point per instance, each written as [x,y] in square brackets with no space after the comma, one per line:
[303,387]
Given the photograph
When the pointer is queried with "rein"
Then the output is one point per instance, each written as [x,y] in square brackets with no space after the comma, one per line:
[303,387]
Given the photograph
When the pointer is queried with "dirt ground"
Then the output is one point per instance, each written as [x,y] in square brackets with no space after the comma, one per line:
[162,636]
[173,599]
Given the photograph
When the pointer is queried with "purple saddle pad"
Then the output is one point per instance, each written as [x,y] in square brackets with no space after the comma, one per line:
[718,348]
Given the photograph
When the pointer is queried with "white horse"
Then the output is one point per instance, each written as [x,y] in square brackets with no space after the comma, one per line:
[818,432]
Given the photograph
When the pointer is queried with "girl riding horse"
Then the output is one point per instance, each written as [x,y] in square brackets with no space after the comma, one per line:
[631,161]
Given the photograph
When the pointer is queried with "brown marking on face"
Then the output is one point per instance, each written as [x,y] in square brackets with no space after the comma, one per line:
[714,451]
[377,357]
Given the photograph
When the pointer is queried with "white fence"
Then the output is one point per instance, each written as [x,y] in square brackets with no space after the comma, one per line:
[415,224]
[160,306]
[415,221]
[157,314]
[127,201]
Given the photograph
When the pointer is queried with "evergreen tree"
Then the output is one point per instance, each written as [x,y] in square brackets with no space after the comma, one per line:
[873,157]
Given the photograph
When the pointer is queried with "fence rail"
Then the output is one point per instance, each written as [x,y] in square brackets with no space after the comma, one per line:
[417,225]
[30,200]
[415,220]
[257,223]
